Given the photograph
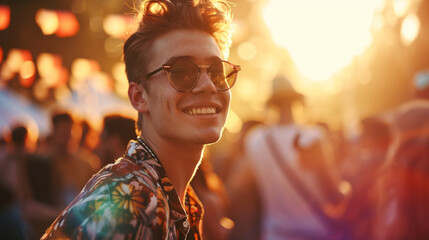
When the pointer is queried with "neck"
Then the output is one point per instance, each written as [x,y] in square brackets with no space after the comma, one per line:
[179,161]
[286,116]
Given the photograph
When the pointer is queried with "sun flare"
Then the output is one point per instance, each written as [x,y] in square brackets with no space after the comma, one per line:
[321,36]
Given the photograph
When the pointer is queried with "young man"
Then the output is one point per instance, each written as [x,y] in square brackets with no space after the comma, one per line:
[179,84]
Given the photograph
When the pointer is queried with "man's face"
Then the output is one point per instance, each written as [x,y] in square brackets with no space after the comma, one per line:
[184,117]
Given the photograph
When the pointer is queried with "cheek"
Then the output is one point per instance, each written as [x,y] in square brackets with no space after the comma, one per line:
[165,104]
[164,100]
[227,96]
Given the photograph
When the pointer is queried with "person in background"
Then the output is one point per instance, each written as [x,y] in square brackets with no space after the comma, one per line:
[86,148]
[55,173]
[117,131]
[211,191]
[238,176]
[12,183]
[362,165]
[401,189]
[69,170]
[293,208]
[179,83]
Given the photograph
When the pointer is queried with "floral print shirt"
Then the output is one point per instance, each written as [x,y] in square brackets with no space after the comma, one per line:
[130,199]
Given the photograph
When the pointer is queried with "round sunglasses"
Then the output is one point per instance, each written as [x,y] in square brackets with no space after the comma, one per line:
[183,75]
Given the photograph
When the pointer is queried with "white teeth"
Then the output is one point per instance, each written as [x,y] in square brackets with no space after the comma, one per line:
[202,111]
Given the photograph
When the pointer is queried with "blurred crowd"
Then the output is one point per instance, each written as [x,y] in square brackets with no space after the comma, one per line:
[40,178]
[278,180]
[289,180]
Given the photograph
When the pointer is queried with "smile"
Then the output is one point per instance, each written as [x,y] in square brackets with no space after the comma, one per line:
[201,111]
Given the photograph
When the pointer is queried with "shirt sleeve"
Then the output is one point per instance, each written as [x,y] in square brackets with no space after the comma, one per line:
[119,210]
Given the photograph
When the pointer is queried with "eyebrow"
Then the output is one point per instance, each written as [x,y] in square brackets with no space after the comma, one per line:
[191,58]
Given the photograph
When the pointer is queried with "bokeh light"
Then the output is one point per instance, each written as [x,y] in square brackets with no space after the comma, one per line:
[4,17]
[116,25]
[121,80]
[27,73]
[246,51]
[16,58]
[49,67]
[47,20]
[400,7]
[81,70]
[40,91]
[102,82]
[321,38]
[247,89]
[410,28]
[60,23]
[17,61]
[62,93]
[233,123]
[68,24]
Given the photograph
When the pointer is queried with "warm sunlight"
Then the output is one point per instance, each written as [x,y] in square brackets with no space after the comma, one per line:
[321,36]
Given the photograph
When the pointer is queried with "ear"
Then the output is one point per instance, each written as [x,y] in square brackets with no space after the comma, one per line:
[138,95]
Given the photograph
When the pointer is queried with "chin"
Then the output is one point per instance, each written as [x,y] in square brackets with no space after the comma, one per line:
[208,140]
[210,137]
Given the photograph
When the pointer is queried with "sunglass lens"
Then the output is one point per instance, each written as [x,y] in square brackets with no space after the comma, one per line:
[183,75]
[223,75]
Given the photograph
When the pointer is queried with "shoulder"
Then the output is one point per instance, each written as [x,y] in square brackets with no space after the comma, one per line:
[120,200]
[255,136]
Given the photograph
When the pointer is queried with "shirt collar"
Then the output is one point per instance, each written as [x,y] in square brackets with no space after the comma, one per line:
[141,153]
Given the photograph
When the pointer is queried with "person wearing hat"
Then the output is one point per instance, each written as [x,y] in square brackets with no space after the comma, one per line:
[275,151]
[282,97]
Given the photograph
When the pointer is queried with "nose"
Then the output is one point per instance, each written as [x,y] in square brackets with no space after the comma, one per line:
[204,83]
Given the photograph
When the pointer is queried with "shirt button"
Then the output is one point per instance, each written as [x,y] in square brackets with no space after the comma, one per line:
[185,224]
